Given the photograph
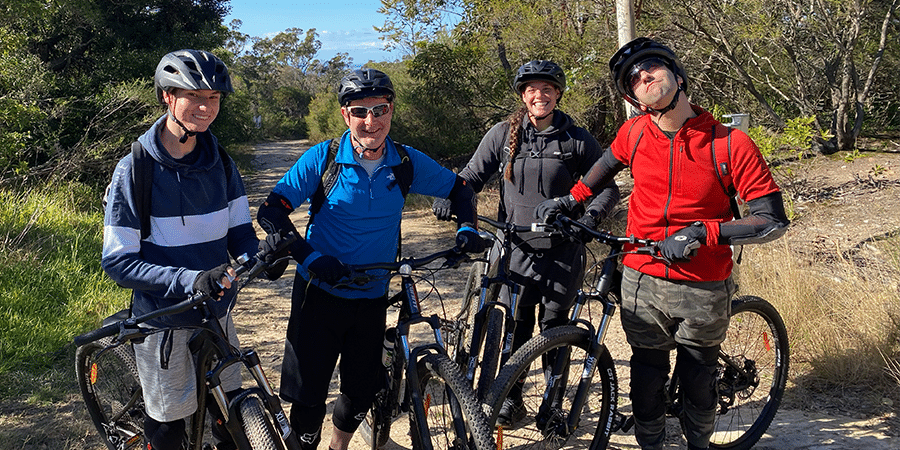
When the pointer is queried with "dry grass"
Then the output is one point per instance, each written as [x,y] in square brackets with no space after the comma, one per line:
[842,315]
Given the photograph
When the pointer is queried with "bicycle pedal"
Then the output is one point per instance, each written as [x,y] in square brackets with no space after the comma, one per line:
[625,423]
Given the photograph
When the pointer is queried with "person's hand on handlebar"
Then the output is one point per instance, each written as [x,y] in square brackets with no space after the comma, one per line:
[468,240]
[547,210]
[328,269]
[274,247]
[681,245]
[213,282]
[442,209]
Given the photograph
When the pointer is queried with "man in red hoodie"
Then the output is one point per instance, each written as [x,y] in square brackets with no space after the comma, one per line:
[686,167]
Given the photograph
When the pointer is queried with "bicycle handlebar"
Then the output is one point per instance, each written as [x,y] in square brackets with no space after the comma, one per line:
[358,275]
[127,329]
[603,237]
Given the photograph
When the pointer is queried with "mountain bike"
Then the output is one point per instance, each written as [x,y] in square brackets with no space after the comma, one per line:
[480,336]
[107,375]
[421,380]
[568,408]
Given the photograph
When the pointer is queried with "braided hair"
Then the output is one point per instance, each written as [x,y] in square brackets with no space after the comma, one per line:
[515,135]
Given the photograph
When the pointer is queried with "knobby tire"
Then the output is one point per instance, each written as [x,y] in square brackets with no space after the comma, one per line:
[110,388]
[756,333]
[449,410]
[258,426]
[491,350]
[595,425]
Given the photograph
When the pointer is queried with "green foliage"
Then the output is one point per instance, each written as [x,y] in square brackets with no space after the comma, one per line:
[325,120]
[68,74]
[51,283]
[795,141]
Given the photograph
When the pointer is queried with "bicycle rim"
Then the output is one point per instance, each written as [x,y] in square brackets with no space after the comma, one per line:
[112,393]
[451,414]
[258,425]
[594,426]
[757,337]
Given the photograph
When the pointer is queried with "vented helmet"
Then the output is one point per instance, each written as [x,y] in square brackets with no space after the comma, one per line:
[540,70]
[191,70]
[364,83]
[636,51]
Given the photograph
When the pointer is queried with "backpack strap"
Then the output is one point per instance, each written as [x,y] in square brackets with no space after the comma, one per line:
[142,179]
[720,151]
[403,174]
[329,178]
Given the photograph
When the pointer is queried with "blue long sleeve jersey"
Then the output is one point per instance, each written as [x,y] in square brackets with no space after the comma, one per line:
[198,218]
[359,222]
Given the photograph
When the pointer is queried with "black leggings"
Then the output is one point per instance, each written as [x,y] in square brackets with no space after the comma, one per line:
[323,327]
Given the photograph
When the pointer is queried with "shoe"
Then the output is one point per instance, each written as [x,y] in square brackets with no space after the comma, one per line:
[512,411]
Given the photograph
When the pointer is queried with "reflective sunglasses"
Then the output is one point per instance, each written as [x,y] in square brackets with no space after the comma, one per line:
[647,65]
[361,112]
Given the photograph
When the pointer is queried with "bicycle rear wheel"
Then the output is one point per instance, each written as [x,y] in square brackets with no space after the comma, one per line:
[551,430]
[258,425]
[112,393]
[753,371]
[449,411]
[459,338]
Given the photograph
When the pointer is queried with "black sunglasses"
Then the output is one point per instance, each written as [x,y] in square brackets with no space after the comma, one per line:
[634,75]
[361,112]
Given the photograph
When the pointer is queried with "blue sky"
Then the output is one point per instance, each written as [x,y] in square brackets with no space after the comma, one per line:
[342,26]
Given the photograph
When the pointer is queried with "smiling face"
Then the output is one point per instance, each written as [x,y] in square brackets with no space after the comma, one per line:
[196,109]
[540,97]
[370,131]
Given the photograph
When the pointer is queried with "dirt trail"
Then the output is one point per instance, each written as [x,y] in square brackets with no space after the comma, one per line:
[262,313]
[265,309]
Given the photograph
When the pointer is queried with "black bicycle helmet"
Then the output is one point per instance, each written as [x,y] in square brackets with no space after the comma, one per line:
[638,50]
[192,70]
[540,70]
[364,83]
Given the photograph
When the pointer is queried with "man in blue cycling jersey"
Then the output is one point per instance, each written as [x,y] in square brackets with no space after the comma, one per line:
[357,223]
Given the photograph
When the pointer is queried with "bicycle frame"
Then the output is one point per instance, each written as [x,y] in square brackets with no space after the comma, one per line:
[214,354]
[405,357]
[606,282]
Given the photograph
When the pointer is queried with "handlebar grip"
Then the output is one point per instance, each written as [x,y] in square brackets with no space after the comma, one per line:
[99,333]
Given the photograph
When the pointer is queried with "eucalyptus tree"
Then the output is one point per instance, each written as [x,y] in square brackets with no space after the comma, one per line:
[814,58]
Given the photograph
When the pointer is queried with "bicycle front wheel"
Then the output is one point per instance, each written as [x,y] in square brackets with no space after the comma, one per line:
[259,426]
[753,373]
[449,411]
[112,393]
[552,424]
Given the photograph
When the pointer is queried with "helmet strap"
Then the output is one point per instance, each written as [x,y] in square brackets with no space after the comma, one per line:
[360,149]
[187,133]
[671,104]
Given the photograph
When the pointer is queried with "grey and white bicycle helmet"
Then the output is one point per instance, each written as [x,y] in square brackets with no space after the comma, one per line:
[540,70]
[364,83]
[636,51]
[191,70]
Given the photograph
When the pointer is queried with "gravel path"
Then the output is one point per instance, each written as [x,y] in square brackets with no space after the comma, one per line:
[269,309]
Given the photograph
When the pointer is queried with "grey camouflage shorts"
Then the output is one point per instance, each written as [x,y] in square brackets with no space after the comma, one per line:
[657,313]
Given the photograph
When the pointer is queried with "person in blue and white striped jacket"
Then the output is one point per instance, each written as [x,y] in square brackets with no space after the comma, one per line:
[199,218]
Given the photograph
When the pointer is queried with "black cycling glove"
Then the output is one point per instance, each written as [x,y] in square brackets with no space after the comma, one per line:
[681,245]
[547,210]
[442,208]
[328,269]
[267,247]
[468,240]
[209,281]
